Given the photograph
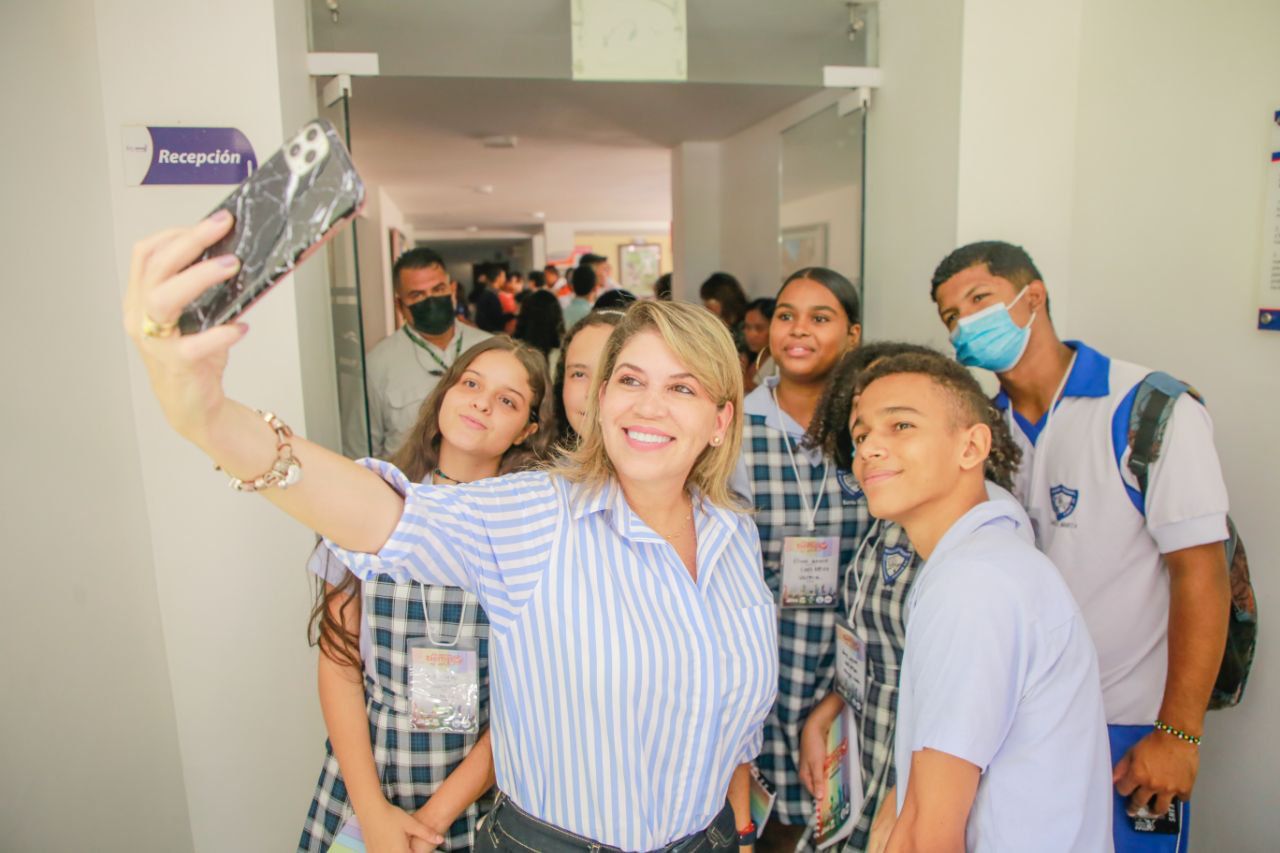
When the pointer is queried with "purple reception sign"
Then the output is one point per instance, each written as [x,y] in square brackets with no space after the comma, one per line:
[187,155]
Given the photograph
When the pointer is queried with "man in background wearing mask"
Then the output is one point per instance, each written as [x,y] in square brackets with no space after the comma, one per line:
[1148,571]
[404,367]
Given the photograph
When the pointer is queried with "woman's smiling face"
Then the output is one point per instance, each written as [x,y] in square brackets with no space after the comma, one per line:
[656,417]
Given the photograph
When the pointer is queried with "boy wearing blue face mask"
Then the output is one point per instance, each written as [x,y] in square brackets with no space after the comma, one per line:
[1147,567]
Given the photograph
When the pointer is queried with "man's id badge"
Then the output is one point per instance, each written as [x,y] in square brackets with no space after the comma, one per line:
[851,665]
[444,687]
[810,571]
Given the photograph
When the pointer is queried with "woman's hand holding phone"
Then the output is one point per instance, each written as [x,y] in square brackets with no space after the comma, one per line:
[185,370]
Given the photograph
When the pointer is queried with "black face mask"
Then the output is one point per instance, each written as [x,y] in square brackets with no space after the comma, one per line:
[433,315]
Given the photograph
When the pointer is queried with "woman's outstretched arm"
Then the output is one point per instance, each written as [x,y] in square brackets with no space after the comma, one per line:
[350,505]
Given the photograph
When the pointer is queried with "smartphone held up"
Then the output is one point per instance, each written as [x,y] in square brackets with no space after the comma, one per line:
[283,212]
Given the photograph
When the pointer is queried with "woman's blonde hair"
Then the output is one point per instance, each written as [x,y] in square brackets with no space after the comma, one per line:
[704,346]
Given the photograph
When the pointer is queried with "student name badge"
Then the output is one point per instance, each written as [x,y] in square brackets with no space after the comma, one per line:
[851,665]
[444,687]
[810,571]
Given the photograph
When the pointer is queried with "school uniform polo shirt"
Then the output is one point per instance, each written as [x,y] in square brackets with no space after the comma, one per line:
[1092,521]
[1000,672]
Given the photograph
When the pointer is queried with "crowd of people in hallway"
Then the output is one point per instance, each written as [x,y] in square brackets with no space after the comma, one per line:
[617,564]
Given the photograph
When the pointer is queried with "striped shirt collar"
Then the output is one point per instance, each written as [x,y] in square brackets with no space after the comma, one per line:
[714,524]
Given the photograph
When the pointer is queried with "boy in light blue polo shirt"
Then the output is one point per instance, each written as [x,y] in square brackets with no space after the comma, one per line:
[1001,740]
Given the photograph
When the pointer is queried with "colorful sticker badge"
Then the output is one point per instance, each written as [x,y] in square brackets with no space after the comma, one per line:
[810,571]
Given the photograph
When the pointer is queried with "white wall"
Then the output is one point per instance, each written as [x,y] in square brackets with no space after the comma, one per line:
[373,244]
[750,193]
[913,137]
[1175,102]
[311,280]
[696,211]
[1018,95]
[840,209]
[229,573]
[90,740]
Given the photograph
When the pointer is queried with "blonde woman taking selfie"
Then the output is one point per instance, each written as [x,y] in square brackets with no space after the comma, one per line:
[633,638]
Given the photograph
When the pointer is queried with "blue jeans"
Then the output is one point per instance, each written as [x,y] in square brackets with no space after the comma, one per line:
[509,828]
[1128,839]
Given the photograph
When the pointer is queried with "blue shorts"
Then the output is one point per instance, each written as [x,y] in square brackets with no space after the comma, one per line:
[1128,839]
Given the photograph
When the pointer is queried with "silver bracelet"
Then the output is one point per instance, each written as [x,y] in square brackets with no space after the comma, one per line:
[285,472]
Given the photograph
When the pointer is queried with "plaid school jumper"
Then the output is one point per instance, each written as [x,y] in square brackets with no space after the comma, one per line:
[412,764]
[886,567]
[806,636]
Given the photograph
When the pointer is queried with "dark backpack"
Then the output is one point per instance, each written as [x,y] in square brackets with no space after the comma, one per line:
[1152,407]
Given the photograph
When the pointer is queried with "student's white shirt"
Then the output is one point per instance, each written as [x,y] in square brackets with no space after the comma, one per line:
[1075,482]
[999,671]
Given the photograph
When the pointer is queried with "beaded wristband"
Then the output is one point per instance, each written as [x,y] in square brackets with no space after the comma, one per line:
[1178,733]
[285,472]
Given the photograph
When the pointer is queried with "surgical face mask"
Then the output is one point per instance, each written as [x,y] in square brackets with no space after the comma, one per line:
[433,315]
[990,339]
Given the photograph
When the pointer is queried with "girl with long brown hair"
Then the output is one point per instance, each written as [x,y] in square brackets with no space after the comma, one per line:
[490,414]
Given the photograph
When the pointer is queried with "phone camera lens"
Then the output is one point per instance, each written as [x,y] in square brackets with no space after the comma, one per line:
[312,134]
[295,150]
[311,156]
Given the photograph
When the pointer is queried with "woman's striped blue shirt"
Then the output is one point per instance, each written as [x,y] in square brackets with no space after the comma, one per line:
[623,694]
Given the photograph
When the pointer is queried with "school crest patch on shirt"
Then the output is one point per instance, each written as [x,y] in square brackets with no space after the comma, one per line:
[848,484]
[894,561]
[1064,500]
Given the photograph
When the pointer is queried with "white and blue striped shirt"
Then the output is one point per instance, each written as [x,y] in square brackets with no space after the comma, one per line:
[623,694]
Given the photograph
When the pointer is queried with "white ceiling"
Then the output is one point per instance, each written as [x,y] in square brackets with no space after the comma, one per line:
[586,152]
[734,41]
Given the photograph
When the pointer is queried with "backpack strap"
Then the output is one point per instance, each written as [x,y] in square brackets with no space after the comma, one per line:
[1149,408]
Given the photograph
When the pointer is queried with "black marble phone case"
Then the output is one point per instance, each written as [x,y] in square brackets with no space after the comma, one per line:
[283,212]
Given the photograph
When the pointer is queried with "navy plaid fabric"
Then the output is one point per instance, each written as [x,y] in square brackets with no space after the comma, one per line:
[886,568]
[806,636]
[412,764]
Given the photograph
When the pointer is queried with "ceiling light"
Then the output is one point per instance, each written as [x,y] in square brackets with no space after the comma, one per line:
[485,189]
[473,228]
[538,214]
[499,141]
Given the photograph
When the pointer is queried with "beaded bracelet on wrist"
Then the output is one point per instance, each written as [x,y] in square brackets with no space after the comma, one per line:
[1178,733]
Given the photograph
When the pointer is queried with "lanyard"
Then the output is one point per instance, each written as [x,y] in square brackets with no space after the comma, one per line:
[423,344]
[426,621]
[1041,446]
[812,523]
[859,588]
[857,573]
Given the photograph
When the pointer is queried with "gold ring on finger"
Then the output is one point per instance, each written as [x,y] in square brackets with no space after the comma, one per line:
[152,329]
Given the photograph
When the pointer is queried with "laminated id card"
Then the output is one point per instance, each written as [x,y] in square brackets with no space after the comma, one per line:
[851,665]
[444,687]
[810,571]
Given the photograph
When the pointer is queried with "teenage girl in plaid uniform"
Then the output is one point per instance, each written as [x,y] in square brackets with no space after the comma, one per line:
[798,493]
[489,414]
[873,600]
